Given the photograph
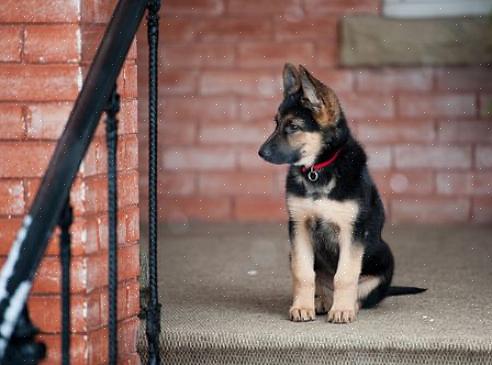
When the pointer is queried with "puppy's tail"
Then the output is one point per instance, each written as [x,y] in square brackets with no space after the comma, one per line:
[404,290]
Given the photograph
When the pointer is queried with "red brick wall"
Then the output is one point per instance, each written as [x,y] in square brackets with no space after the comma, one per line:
[427,130]
[45,48]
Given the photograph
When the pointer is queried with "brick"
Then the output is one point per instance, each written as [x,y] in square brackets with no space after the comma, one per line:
[181,183]
[46,313]
[51,43]
[130,359]
[438,157]
[31,186]
[236,183]
[389,80]
[396,131]
[83,233]
[97,11]
[426,210]
[91,35]
[482,183]
[452,183]
[197,55]
[12,124]
[11,197]
[465,131]
[128,117]
[248,159]
[47,120]
[450,105]
[194,7]
[46,82]
[132,224]
[258,110]
[485,105]
[259,209]
[199,109]
[234,133]
[337,79]
[132,298]
[94,310]
[48,276]
[10,43]
[327,55]
[26,159]
[307,29]
[379,157]
[337,7]
[104,305]
[29,11]
[186,208]
[234,29]
[365,107]
[95,160]
[464,79]
[132,52]
[198,158]
[174,133]
[404,182]
[102,227]
[252,83]
[177,82]
[482,210]
[177,29]
[78,349]
[97,346]
[256,54]
[8,232]
[128,158]
[289,9]
[129,72]
[129,330]
[130,265]
[97,276]
[96,191]
[483,156]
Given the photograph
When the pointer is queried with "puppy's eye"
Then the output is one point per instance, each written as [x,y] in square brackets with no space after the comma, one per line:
[292,128]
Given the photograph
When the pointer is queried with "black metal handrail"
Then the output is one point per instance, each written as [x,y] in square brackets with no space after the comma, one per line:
[51,207]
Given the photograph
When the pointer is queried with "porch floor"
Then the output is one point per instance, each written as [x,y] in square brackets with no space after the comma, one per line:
[225,291]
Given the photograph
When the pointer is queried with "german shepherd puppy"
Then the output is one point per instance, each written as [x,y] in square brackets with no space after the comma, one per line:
[339,261]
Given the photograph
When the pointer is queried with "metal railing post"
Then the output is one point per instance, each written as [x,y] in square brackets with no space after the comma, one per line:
[65,222]
[153,327]
[112,110]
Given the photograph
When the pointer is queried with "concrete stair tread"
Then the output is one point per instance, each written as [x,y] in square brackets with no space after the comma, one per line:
[226,292]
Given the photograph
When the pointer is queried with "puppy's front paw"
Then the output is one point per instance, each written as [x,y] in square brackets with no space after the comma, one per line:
[301,314]
[342,315]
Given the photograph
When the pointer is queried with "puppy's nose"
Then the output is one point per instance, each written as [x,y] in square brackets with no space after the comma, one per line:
[265,152]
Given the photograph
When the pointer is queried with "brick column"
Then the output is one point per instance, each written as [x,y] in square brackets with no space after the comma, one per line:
[45,49]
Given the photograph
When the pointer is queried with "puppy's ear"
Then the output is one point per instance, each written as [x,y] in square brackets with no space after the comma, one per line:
[291,79]
[319,98]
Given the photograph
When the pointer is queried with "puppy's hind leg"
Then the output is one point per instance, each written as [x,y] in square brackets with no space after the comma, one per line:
[371,290]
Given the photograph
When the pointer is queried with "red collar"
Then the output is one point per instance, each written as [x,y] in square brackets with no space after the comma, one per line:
[319,166]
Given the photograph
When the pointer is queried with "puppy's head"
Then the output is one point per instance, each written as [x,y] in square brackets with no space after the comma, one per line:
[306,121]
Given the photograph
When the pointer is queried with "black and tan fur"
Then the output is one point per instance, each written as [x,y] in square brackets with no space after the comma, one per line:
[339,261]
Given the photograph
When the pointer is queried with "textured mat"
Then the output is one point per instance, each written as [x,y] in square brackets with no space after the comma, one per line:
[226,292]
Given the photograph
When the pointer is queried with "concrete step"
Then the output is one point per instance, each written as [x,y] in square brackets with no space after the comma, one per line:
[226,292]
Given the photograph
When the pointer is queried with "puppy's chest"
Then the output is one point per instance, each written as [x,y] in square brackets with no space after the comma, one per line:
[340,214]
